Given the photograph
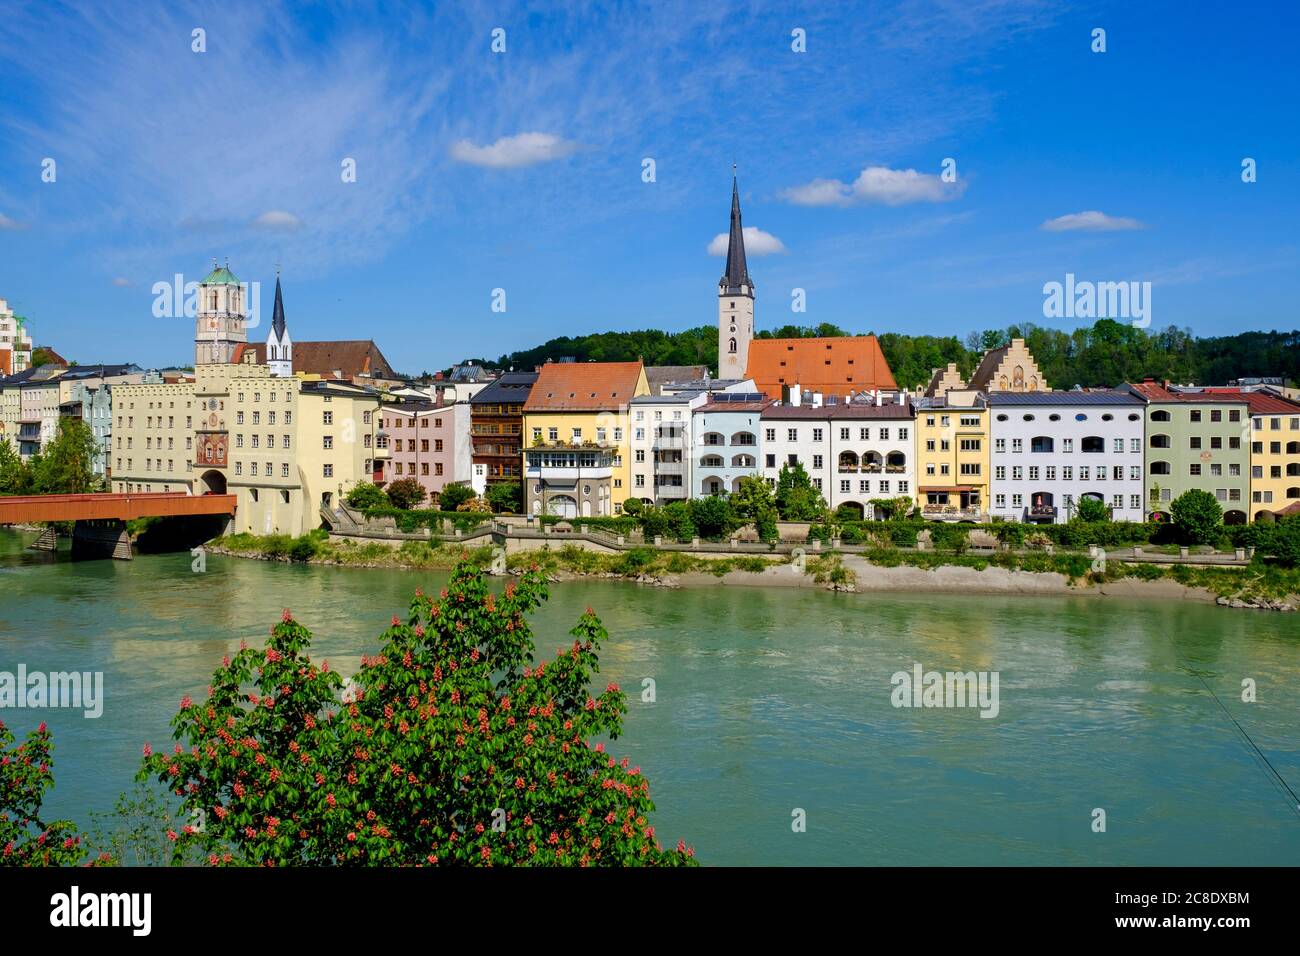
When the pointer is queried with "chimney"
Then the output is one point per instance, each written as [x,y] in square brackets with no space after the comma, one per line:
[816,399]
[795,395]
[880,398]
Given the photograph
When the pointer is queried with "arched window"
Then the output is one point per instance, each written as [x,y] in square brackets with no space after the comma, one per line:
[1093,444]
[732,347]
[1293,448]
[1293,492]
[1160,468]
[1041,443]
[1159,441]
[1160,415]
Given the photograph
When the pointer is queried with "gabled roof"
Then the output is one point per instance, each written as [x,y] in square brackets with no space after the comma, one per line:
[584,386]
[988,365]
[508,387]
[1261,402]
[657,376]
[354,358]
[833,366]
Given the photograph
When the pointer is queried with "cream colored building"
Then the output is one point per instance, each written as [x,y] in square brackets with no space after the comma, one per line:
[1010,368]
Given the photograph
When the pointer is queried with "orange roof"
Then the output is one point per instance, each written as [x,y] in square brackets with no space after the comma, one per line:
[583,386]
[832,366]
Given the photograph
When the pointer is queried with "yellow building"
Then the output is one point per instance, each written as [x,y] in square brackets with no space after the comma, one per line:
[284,446]
[952,456]
[577,444]
[1274,454]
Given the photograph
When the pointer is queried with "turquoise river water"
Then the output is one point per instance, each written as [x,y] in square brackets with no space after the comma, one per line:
[768,702]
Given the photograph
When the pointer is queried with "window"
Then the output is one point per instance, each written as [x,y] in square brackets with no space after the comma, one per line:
[999,445]
[844,486]
[792,434]
[1017,445]
[817,461]
[328,471]
[1000,473]
[1093,445]
[1196,414]
[1017,501]
[769,434]
[328,441]
[999,501]
[817,434]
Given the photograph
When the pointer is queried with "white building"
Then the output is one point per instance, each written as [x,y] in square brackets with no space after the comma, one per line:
[853,451]
[724,447]
[15,343]
[1052,448]
[661,446]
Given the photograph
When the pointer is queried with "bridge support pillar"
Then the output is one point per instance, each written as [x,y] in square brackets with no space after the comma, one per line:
[48,540]
[101,538]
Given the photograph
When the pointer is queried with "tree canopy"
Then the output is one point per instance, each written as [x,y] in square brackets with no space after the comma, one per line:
[1106,353]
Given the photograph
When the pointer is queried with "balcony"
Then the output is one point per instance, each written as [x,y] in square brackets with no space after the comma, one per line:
[668,441]
[671,491]
[1042,511]
[670,467]
[953,513]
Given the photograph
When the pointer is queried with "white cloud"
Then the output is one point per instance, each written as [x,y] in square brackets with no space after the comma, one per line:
[8,224]
[1090,221]
[121,283]
[878,184]
[523,149]
[277,220]
[757,243]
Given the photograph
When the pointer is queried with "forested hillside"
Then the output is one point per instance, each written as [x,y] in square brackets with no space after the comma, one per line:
[1107,353]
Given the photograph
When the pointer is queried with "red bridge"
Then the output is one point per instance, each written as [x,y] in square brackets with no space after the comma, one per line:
[100,520]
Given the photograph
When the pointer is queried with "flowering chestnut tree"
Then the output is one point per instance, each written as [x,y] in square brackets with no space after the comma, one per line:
[26,772]
[450,746]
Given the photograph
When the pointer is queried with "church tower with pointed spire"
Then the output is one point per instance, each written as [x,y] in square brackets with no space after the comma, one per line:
[735,299]
[279,347]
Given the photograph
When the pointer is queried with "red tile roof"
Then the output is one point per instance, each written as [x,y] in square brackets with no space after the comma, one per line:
[832,366]
[350,358]
[1157,392]
[1261,403]
[583,386]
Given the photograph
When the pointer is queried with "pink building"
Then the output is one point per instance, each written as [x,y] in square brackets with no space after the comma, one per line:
[426,441]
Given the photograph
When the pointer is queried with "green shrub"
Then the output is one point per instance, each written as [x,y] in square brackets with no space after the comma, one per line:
[365,495]
[303,548]
[1197,516]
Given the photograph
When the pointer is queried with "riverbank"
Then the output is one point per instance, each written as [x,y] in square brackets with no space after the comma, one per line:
[1257,586]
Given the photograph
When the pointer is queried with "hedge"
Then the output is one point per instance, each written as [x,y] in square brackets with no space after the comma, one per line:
[413,520]
[1075,534]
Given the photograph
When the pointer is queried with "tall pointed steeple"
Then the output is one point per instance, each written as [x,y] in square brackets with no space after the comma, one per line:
[735,298]
[277,317]
[279,347]
[737,275]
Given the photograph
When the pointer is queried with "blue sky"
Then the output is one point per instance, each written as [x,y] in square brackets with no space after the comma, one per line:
[522,170]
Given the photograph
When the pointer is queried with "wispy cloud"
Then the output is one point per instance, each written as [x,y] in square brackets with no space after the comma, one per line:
[757,243]
[121,282]
[523,149]
[876,184]
[1090,221]
[10,225]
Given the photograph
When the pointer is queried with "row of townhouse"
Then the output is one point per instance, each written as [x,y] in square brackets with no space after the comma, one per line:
[32,402]
[594,436]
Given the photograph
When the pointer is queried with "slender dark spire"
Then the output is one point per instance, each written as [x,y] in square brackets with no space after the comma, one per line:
[737,273]
[277,317]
